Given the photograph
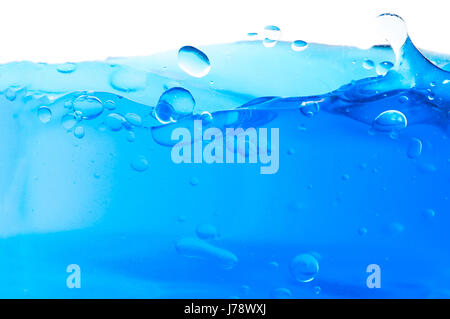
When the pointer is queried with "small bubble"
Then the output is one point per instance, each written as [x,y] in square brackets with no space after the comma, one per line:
[281,293]
[244,290]
[109,105]
[131,136]
[414,148]
[271,35]
[87,107]
[429,213]
[345,177]
[79,132]
[368,64]
[66,67]
[44,114]
[304,267]
[133,119]
[362,231]
[317,290]
[69,120]
[299,45]
[291,151]
[384,67]
[173,104]
[391,120]
[194,181]
[114,122]
[139,163]
[193,61]
[309,108]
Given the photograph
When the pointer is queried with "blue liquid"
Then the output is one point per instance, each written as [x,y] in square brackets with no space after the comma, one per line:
[87,177]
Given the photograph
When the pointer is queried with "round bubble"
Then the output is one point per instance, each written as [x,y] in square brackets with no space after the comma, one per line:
[304,267]
[193,61]
[388,121]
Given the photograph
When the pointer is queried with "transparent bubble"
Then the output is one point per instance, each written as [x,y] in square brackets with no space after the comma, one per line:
[139,163]
[271,36]
[391,120]
[281,293]
[414,148]
[114,121]
[87,107]
[173,104]
[133,119]
[304,267]
[66,67]
[69,120]
[79,132]
[368,64]
[309,108]
[44,114]
[193,61]
[299,45]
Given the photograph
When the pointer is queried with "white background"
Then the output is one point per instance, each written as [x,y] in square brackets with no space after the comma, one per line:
[77,30]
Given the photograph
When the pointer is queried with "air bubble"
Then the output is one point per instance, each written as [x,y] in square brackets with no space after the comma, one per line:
[271,36]
[173,104]
[414,148]
[193,61]
[88,107]
[139,163]
[79,132]
[390,120]
[368,64]
[281,293]
[44,114]
[304,267]
[299,45]
[66,67]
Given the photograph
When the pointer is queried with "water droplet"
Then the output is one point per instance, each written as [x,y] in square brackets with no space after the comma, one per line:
[114,121]
[271,36]
[131,136]
[79,132]
[304,267]
[126,79]
[244,290]
[10,94]
[368,64]
[388,121]
[133,119]
[193,61]
[274,264]
[69,120]
[384,67]
[174,104]
[139,163]
[309,108]
[88,107]
[291,151]
[362,231]
[429,213]
[44,114]
[206,231]
[197,248]
[393,28]
[66,67]
[281,293]
[252,34]
[299,45]
[109,105]
[345,177]
[194,181]
[317,290]
[414,148]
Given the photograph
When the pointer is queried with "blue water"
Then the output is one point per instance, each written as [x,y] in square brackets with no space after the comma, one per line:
[87,176]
